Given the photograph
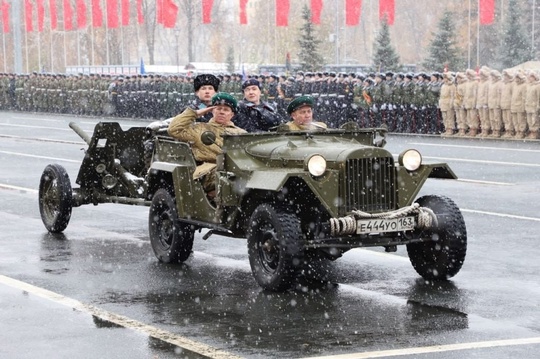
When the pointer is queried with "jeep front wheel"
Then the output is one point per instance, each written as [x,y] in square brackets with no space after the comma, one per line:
[275,247]
[442,252]
[55,198]
[171,240]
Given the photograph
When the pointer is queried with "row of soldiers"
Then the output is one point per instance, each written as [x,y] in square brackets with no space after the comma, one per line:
[489,103]
[405,102]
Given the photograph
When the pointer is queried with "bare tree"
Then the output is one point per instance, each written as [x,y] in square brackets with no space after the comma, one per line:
[150,23]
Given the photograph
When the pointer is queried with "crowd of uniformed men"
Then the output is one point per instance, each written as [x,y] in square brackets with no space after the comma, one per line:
[470,103]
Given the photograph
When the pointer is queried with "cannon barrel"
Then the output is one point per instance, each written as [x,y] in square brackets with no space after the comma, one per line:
[79,131]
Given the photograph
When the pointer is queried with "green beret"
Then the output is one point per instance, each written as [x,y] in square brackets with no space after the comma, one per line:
[299,102]
[223,98]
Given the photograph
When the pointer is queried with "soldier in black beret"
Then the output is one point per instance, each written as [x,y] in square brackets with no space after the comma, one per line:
[255,115]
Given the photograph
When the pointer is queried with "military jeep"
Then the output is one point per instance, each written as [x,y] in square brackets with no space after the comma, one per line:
[294,195]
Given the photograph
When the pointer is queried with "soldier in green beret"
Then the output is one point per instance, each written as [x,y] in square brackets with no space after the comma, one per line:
[301,111]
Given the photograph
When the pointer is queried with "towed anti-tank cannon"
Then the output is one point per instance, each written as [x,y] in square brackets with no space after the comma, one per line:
[295,196]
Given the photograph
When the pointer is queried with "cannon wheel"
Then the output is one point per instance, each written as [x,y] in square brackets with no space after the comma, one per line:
[172,240]
[55,198]
[442,253]
[275,247]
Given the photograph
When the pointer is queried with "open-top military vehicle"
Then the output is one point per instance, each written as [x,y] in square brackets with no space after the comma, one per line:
[294,195]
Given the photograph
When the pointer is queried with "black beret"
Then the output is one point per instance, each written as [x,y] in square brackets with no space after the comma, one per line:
[251,82]
[206,79]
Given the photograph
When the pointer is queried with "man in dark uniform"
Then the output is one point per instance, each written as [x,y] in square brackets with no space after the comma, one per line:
[253,114]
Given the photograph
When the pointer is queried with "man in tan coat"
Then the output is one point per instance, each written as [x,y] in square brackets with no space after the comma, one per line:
[494,103]
[184,127]
[506,103]
[482,101]
[532,103]
[517,106]
[469,102]
[459,108]
[446,101]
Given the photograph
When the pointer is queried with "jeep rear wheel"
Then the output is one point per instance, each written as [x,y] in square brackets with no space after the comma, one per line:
[275,247]
[442,253]
[55,198]
[171,240]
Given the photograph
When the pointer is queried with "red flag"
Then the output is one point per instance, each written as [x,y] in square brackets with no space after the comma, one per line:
[40,15]
[81,14]
[54,14]
[169,11]
[140,17]
[28,14]
[97,13]
[68,16]
[386,10]
[112,14]
[243,13]
[353,9]
[487,11]
[5,16]
[282,12]
[207,11]
[316,8]
[125,12]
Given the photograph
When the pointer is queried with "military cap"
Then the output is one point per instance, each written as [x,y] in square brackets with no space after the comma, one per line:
[206,79]
[223,98]
[409,75]
[389,74]
[251,82]
[298,102]
[400,75]
[369,80]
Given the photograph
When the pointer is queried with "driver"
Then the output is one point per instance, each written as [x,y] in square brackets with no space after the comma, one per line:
[184,127]
[301,111]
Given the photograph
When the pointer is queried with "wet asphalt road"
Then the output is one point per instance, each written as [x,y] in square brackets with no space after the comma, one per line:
[97,290]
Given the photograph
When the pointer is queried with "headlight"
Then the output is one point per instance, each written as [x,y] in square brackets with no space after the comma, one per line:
[316,165]
[410,159]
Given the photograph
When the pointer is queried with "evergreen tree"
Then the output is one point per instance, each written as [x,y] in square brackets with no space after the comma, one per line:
[515,47]
[385,57]
[230,59]
[443,50]
[310,59]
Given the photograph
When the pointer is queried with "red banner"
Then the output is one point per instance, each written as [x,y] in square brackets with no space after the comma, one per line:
[243,12]
[169,12]
[81,14]
[386,10]
[353,9]
[28,14]
[54,14]
[140,17]
[487,12]
[316,9]
[97,13]
[207,11]
[125,12]
[4,8]
[40,15]
[282,12]
[112,14]
[68,16]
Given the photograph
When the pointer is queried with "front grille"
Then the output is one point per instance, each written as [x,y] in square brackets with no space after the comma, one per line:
[370,185]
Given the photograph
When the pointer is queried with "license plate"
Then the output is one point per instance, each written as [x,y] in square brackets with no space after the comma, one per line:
[382,225]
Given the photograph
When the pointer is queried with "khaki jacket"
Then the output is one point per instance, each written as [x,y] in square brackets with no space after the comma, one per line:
[518,97]
[494,94]
[471,88]
[184,127]
[482,93]
[507,88]
[460,93]
[446,96]
[532,97]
